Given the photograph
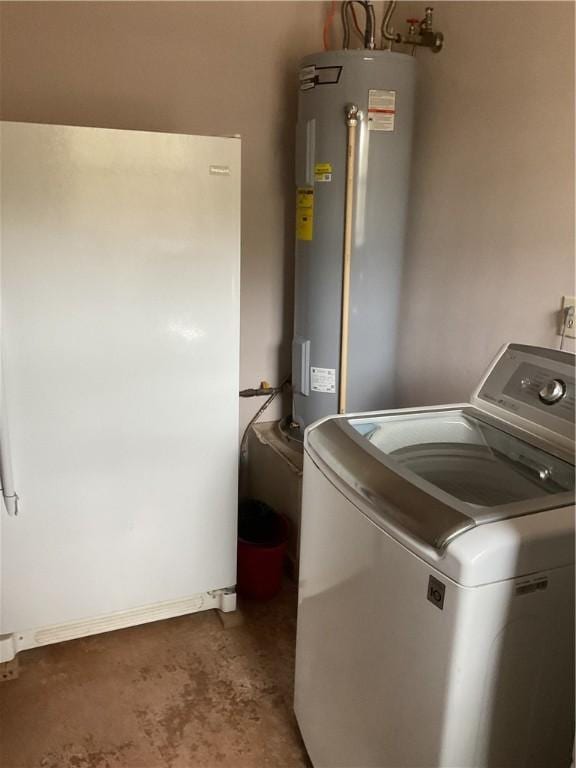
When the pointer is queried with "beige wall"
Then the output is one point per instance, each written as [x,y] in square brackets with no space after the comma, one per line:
[490,248]
[208,67]
[491,229]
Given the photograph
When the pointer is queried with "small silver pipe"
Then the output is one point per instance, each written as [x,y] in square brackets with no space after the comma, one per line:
[385,32]
[345,25]
[370,26]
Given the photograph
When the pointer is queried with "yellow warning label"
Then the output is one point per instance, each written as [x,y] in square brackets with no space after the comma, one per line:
[323,172]
[304,213]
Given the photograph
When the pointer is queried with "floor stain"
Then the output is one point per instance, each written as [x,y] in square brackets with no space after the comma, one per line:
[181,693]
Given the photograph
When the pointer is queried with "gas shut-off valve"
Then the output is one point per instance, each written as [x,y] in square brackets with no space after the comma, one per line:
[420,32]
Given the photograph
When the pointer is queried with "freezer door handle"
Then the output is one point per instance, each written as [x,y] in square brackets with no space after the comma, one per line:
[11,503]
[9,495]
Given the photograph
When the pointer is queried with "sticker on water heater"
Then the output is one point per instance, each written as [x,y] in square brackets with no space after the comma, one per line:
[323,380]
[307,77]
[323,172]
[304,213]
[307,73]
[381,110]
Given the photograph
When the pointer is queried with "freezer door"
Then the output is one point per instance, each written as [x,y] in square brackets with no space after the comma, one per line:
[120,326]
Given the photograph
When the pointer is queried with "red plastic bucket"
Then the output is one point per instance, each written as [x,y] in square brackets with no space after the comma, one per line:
[262,536]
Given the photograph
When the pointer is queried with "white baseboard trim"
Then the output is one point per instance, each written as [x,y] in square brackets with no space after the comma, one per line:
[10,645]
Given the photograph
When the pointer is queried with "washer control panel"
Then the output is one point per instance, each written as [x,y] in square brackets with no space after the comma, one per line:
[541,387]
[535,383]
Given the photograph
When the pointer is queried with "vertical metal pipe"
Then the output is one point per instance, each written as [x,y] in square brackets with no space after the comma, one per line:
[351,112]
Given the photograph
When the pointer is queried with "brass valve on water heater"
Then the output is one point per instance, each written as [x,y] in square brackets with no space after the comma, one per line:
[420,32]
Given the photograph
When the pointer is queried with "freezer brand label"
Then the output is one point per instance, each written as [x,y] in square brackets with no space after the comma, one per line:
[304,213]
[219,170]
[381,110]
[323,172]
[436,592]
[323,380]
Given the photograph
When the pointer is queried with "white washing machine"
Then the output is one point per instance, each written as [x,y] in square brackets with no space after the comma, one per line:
[436,598]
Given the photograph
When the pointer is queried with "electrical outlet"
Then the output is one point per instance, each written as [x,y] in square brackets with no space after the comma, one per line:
[568,301]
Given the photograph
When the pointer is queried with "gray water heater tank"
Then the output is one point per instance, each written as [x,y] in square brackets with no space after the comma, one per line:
[381,84]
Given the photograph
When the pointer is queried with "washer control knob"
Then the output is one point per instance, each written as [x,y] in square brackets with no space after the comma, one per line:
[552,391]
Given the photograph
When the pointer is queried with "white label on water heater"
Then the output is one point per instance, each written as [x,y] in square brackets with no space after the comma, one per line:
[323,379]
[307,73]
[381,110]
[307,77]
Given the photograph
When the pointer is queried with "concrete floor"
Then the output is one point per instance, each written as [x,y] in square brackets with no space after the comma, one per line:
[182,693]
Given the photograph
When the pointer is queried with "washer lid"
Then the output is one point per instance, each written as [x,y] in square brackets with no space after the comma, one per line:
[439,473]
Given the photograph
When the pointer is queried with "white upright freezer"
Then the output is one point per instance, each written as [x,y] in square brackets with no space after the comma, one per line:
[120,342]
